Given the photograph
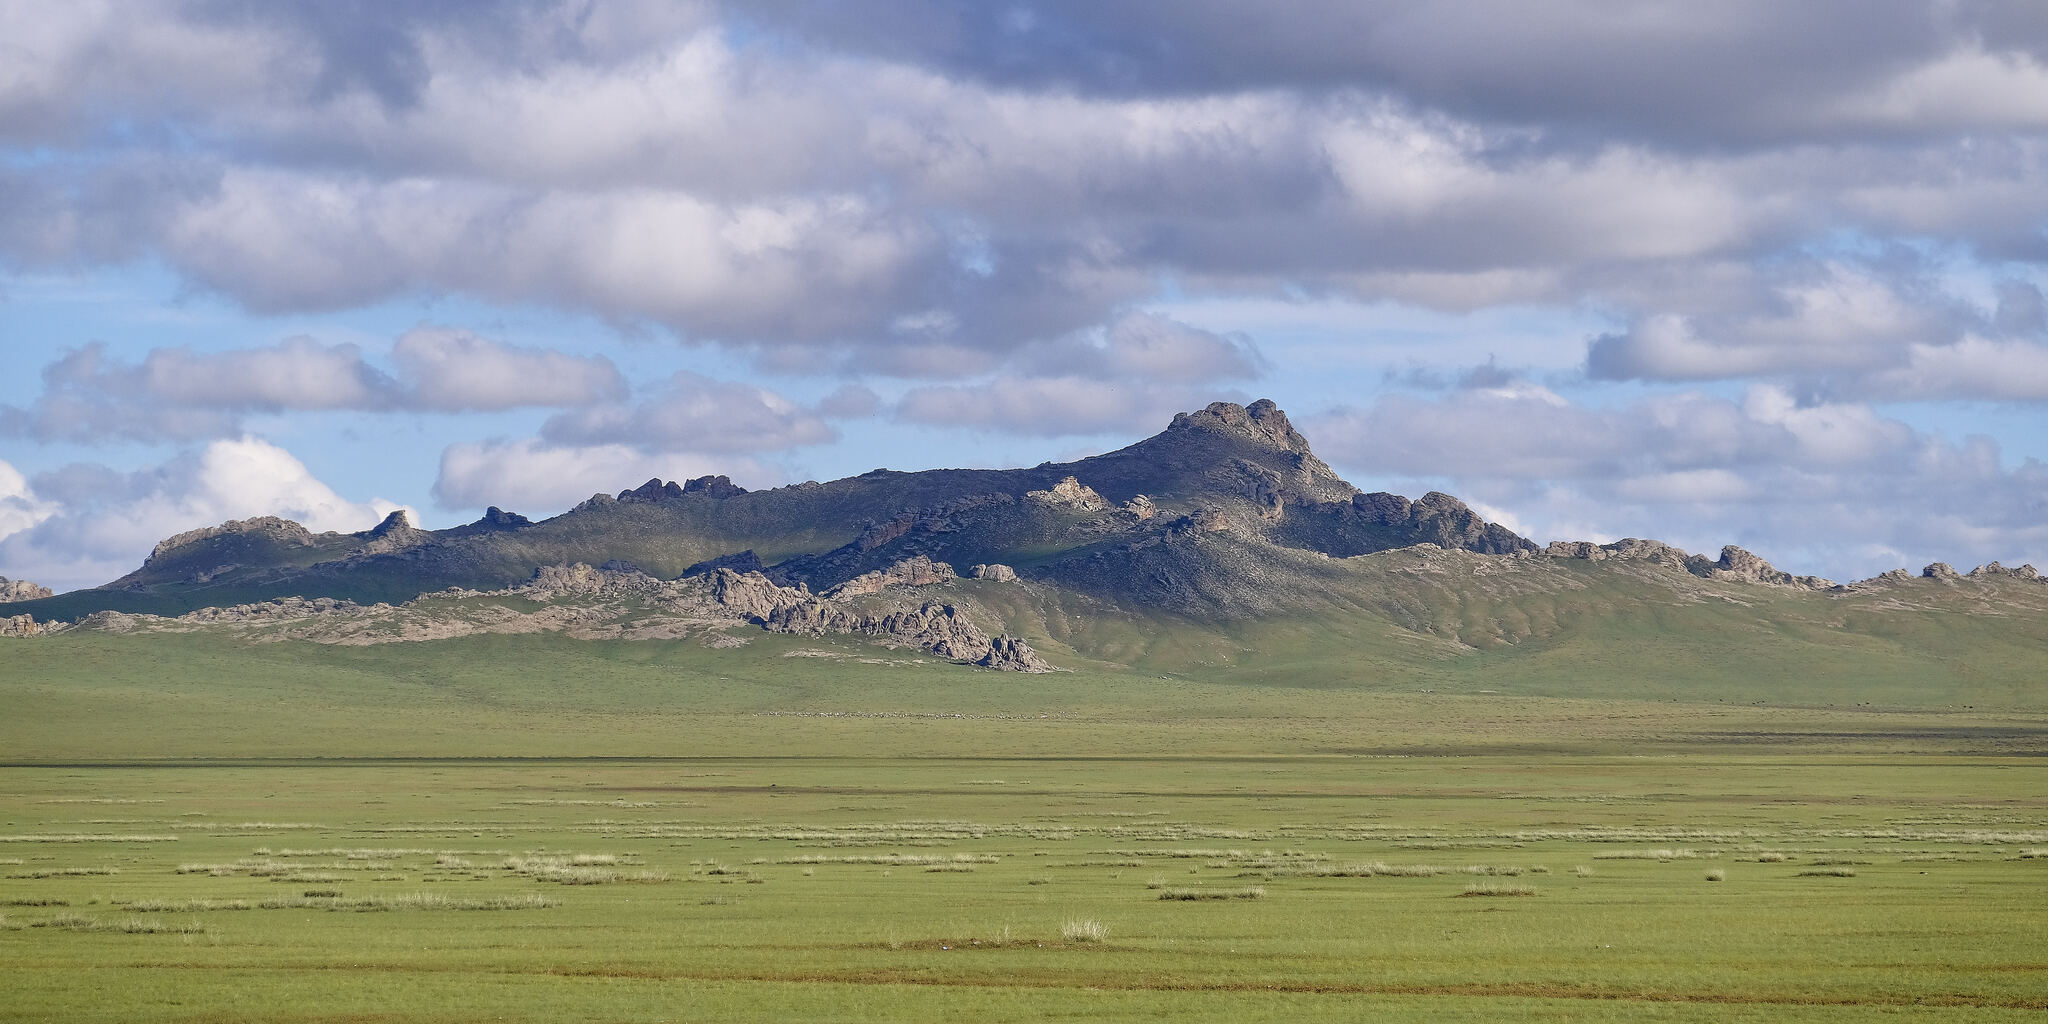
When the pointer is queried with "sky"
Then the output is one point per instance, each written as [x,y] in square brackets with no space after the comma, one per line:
[1745,272]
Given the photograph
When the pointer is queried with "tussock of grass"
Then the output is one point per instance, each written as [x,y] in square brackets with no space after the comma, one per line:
[34,901]
[581,869]
[413,901]
[65,872]
[128,926]
[947,868]
[1498,889]
[898,860]
[1084,929]
[1717,875]
[1772,857]
[1656,855]
[1829,873]
[1193,893]
[191,906]
[84,837]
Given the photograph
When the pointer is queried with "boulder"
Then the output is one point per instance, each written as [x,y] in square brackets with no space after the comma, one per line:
[915,571]
[22,590]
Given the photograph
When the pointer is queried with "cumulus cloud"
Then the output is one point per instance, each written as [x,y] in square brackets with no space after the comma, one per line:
[887,171]
[86,524]
[692,412]
[1819,487]
[453,370]
[178,394]
[539,478]
[1130,374]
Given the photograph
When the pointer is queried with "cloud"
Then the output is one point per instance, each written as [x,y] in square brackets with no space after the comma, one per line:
[452,370]
[539,478]
[1133,373]
[178,394]
[1145,347]
[1821,487]
[831,195]
[1052,406]
[697,414]
[88,524]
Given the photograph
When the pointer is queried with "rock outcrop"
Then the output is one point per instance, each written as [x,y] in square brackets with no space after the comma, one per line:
[1737,564]
[22,590]
[282,532]
[1995,571]
[1070,494]
[915,571]
[19,626]
[995,572]
[940,629]
[395,533]
[742,561]
[713,487]
[1631,548]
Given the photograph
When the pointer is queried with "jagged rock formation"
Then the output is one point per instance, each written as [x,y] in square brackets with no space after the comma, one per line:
[22,590]
[1227,514]
[1993,570]
[395,533]
[1364,523]
[915,571]
[19,626]
[1737,564]
[1655,552]
[1070,494]
[1734,564]
[269,530]
[741,561]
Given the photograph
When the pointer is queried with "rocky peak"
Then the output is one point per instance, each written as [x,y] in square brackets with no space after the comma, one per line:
[1995,571]
[22,590]
[1738,564]
[1261,422]
[1632,548]
[1941,571]
[714,487]
[496,518]
[395,533]
[282,531]
[653,490]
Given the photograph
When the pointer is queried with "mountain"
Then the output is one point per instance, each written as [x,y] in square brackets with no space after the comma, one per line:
[1222,541]
[1088,525]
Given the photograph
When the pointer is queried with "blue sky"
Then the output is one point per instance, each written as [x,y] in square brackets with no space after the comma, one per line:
[1743,273]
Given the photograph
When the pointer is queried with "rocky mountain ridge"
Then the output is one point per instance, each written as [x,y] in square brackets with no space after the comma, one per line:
[1225,516]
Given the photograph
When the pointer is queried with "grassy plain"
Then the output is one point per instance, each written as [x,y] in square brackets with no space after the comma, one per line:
[532,828]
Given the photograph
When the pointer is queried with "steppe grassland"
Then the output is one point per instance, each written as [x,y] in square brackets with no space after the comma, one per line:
[1871,862]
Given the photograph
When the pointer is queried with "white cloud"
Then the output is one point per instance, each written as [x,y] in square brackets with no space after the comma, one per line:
[296,373]
[453,370]
[176,394]
[19,506]
[97,524]
[1053,406]
[694,413]
[1834,488]
[537,478]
